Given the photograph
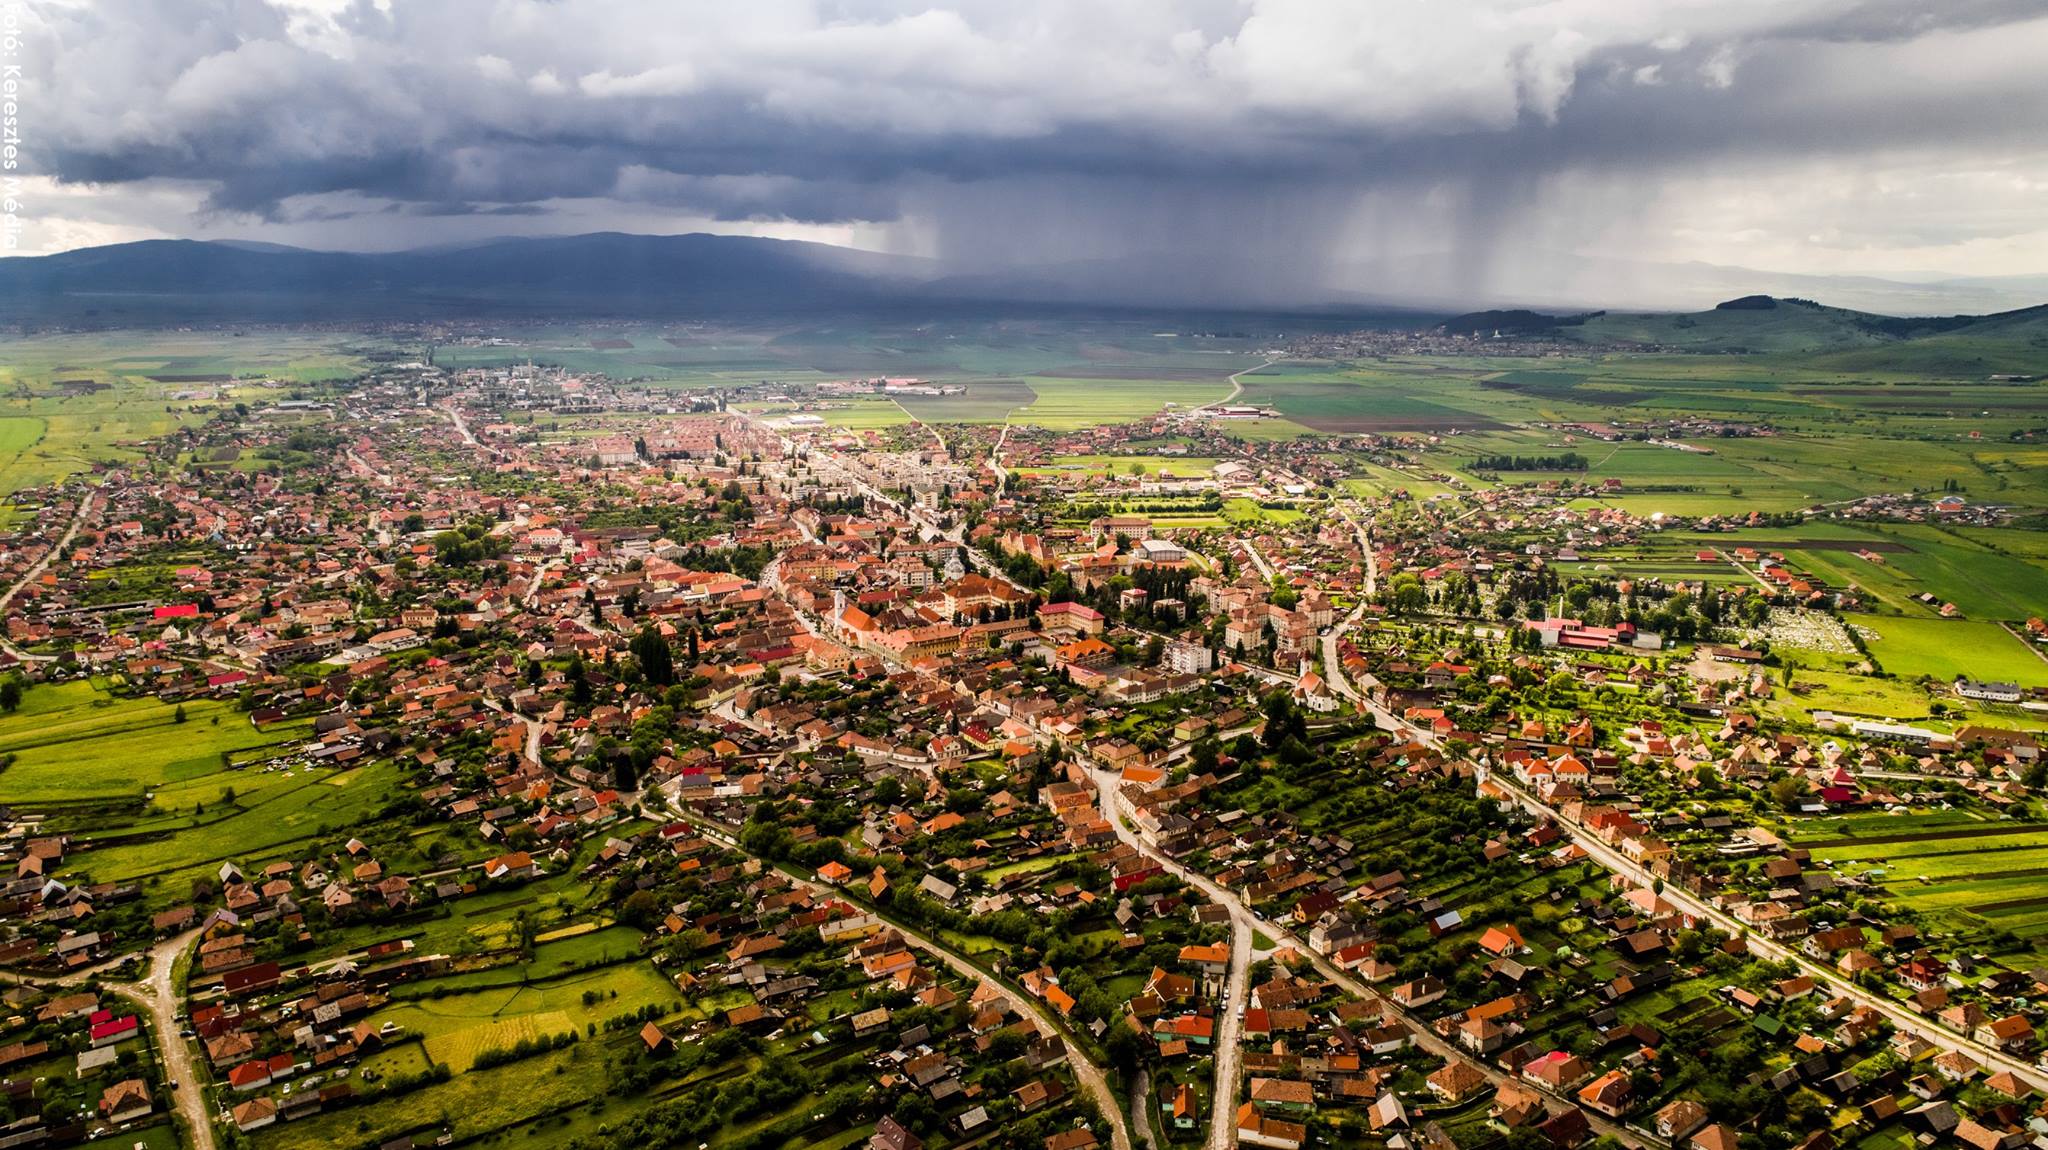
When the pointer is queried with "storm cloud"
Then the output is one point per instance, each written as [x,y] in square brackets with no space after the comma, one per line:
[1291,145]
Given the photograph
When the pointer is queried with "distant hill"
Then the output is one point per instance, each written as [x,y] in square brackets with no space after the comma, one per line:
[1760,324]
[1517,321]
[606,274]
[613,275]
[2011,342]
[1966,347]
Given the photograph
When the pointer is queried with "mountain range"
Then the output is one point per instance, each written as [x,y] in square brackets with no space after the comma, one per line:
[609,274]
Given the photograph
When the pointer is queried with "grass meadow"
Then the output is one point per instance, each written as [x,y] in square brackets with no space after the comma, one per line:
[68,401]
[77,741]
[1964,874]
[1945,649]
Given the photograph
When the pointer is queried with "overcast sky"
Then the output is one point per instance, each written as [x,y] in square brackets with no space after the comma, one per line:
[1307,138]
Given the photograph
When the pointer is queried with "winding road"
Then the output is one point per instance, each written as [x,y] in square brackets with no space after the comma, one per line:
[155,994]
[1116,810]
[1091,1077]
[1237,384]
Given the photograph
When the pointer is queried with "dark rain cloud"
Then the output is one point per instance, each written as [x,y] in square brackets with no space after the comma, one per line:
[1010,132]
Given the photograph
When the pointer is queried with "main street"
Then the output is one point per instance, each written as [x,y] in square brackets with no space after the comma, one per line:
[1230,1034]
[461,426]
[1897,1013]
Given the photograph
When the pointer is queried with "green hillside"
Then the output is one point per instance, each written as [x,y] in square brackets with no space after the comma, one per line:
[1838,338]
[2009,343]
[1740,326]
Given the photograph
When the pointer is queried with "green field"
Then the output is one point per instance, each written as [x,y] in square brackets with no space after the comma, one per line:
[473,1103]
[2006,583]
[70,400]
[458,1026]
[1945,649]
[986,401]
[1966,877]
[273,818]
[152,800]
[1356,400]
[1065,404]
[1248,513]
[76,741]
[1124,465]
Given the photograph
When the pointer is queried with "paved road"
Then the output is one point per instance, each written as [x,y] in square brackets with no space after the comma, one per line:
[533,726]
[362,466]
[461,428]
[1237,385]
[1899,1015]
[1372,559]
[995,457]
[540,576]
[85,508]
[1259,560]
[1089,1075]
[1230,1034]
[1115,809]
[1333,669]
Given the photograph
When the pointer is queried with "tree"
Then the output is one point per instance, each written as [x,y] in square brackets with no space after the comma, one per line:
[1283,719]
[10,693]
[525,929]
[640,909]
[651,651]
[1786,792]
[177,714]
[1407,595]
[579,682]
